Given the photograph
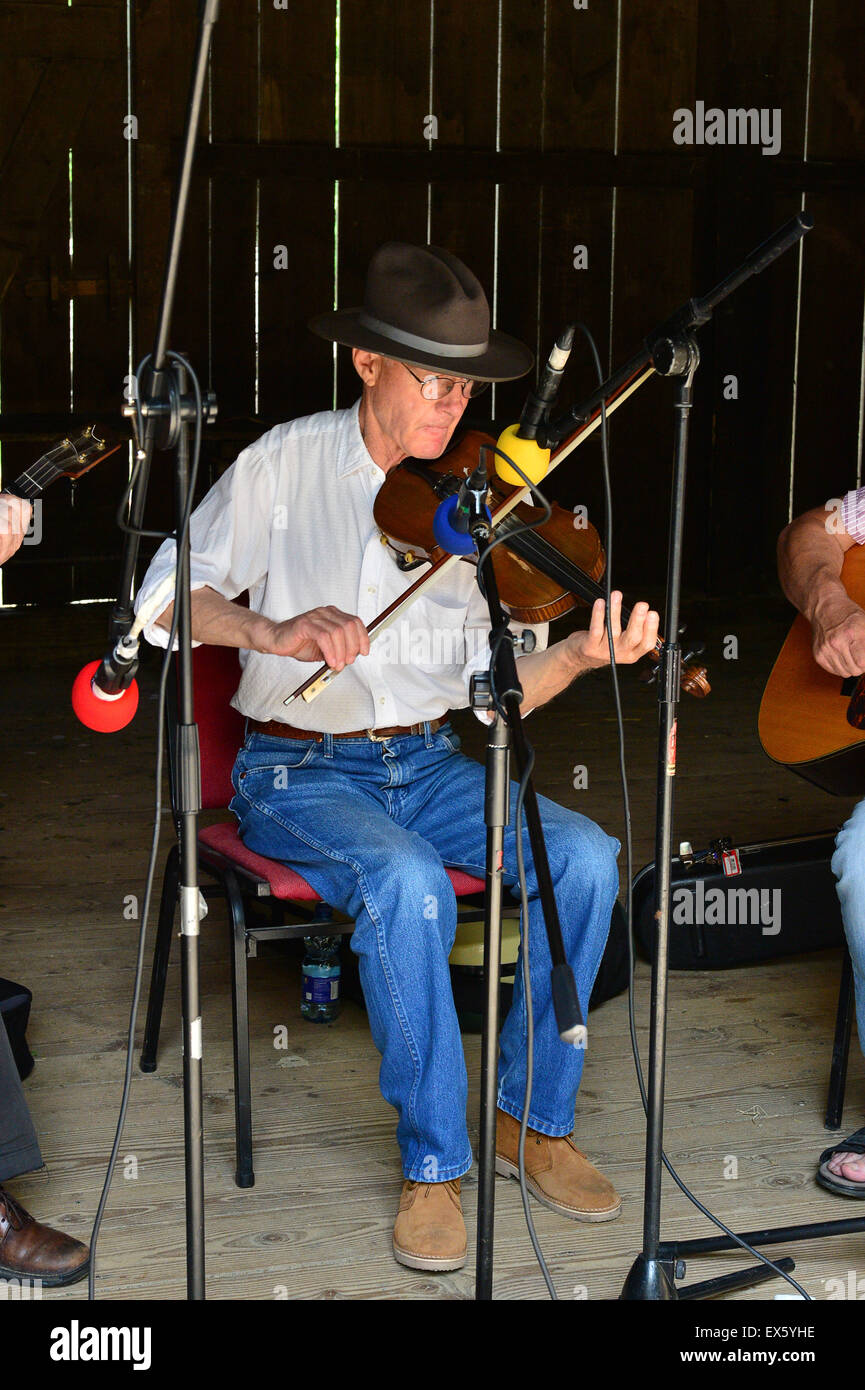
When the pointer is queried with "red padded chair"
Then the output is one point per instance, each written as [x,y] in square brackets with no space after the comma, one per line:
[249,882]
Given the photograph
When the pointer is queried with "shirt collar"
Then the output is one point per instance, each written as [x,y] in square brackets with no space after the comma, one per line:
[353,454]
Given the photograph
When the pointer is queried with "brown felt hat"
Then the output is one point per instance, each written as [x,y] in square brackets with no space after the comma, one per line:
[423,306]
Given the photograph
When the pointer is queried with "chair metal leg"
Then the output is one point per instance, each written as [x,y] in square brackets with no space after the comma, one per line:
[161,953]
[244,1174]
[840,1047]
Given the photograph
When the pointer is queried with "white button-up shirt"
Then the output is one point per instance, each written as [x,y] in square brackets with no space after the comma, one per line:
[291,521]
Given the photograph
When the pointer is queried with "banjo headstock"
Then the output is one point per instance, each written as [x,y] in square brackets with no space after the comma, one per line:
[69,459]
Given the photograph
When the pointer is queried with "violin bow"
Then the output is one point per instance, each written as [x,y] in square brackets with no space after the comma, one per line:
[628,380]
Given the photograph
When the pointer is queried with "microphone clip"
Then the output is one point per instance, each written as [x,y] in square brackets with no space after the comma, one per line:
[119,667]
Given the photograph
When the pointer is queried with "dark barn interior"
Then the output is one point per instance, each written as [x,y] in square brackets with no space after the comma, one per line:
[535,139]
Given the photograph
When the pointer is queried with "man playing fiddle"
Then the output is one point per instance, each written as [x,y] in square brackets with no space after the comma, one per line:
[368,796]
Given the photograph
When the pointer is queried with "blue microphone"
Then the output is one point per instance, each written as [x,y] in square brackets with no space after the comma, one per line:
[456,516]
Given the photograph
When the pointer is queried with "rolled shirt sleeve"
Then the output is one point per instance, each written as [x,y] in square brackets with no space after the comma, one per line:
[230,536]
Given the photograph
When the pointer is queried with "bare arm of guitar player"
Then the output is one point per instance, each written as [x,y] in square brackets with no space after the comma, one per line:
[810,559]
[323,634]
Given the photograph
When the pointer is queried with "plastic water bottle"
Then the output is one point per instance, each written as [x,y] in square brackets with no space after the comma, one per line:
[319,994]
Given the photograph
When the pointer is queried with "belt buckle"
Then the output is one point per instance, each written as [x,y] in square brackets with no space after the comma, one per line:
[374,737]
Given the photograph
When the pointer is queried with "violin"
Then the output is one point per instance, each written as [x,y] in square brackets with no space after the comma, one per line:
[541,574]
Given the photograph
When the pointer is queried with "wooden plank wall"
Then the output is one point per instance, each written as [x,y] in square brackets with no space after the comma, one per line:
[62,100]
[552,130]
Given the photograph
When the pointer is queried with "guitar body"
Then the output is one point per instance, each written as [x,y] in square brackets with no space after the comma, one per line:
[803,713]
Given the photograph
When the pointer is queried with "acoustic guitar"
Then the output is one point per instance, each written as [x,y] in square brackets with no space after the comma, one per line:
[811,721]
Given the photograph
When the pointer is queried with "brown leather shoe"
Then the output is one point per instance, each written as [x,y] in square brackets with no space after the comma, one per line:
[429,1232]
[557,1172]
[29,1250]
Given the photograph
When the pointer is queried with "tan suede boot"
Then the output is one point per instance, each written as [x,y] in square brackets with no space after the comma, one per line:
[429,1232]
[557,1172]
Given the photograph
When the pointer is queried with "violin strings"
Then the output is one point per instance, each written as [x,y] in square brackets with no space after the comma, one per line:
[537,547]
[566,573]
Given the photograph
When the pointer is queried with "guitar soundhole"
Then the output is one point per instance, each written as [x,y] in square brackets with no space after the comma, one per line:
[848,685]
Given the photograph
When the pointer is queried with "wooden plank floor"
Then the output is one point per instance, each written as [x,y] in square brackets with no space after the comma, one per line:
[749,1049]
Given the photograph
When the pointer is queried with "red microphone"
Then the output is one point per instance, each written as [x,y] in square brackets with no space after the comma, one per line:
[105,693]
[97,710]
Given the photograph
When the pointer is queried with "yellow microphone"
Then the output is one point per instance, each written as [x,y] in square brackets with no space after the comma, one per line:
[527,454]
[519,441]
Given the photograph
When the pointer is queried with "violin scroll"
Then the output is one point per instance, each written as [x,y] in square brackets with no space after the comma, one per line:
[694,679]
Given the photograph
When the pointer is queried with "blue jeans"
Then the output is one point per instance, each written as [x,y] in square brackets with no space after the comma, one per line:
[848,866]
[370,826]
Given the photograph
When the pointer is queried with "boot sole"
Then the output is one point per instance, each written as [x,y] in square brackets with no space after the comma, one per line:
[506,1169]
[48,1281]
[428,1262]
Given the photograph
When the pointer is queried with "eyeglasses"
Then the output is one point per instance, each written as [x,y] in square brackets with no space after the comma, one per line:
[435,388]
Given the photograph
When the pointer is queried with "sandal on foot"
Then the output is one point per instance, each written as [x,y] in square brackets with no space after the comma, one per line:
[833,1182]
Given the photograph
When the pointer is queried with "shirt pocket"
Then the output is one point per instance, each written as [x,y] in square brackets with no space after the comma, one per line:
[432,637]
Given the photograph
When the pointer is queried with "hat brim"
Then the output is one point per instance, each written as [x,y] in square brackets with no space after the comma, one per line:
[505,359]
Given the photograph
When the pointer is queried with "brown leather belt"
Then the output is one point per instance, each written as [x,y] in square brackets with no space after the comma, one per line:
[275,729]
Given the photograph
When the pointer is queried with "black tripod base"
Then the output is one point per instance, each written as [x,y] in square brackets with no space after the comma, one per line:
[739,1279]
[648,1280]
[651,1282]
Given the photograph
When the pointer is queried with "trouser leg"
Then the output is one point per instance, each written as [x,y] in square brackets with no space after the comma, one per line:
[582,860]
[19,1147]
[393,884]
[848,866]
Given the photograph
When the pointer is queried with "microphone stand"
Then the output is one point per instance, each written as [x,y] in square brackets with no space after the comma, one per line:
[672,351]
[166,411]
[503,679]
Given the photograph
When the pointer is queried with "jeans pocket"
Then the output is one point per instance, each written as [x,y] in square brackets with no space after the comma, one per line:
[450,739]
[264,765]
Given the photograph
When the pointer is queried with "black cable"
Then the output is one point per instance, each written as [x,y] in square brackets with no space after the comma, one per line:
[502,540]
[154,843]
[138,431]
[530,1027]
[608,545]
[504,635]
[524,525]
